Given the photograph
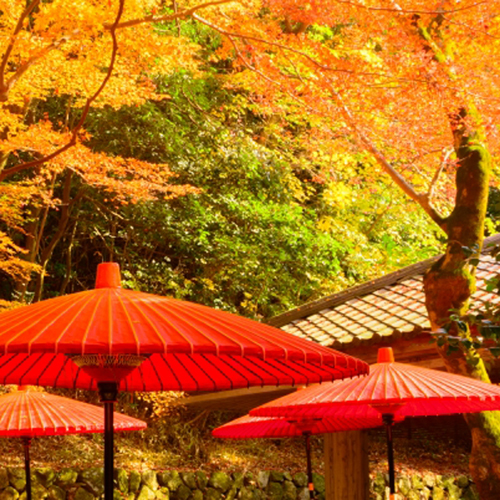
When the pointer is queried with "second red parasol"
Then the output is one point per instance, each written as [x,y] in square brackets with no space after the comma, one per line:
[395,390]
[248,427]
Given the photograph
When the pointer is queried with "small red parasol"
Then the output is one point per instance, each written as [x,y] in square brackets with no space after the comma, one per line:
[113,339]
[27,414]
[249,427]
[395,390]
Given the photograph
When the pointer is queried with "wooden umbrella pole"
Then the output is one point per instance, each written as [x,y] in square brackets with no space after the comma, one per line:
[310,484]
[27,444]
[388,419]
[108,392]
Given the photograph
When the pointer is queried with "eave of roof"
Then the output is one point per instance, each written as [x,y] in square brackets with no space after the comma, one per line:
[387,308]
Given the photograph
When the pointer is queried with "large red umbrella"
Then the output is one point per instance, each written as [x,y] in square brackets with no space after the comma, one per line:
[248,427]
[27,414]
[394,390]
[113,339]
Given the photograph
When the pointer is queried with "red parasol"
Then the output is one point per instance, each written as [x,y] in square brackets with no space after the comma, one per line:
[114,339]
[27,414]
[248,427]
[395,390]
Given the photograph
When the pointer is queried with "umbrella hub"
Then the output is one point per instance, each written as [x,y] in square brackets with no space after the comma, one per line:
[389,408]
[108,367]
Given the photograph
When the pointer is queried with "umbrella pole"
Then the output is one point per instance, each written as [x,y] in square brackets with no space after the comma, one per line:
[310,484]
[27,444]
[108,392]
[388,419]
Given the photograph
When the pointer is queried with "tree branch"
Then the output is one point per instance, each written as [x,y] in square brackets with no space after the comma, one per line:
[446,156]
[412,11]
[5,59]
[181,14]
[399,180]
[85,112]
[5,88]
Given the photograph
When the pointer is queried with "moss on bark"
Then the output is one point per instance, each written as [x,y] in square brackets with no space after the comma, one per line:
[449,285]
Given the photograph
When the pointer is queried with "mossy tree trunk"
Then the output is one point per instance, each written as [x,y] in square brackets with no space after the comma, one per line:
[449,285]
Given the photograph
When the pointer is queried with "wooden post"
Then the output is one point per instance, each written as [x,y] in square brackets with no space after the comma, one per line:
[346,466]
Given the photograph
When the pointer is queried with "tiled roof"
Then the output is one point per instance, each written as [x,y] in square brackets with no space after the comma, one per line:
[387,308]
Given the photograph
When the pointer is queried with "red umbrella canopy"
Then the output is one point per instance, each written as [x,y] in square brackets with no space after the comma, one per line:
[148,343]
[249,427]
[26,413]
[390,388]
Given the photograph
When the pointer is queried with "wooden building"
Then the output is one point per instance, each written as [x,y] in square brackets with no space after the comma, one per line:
[386,311]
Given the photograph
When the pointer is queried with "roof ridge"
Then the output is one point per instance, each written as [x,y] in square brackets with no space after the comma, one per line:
[365,288]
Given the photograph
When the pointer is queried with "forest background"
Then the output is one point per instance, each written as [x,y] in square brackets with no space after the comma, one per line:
[250,156]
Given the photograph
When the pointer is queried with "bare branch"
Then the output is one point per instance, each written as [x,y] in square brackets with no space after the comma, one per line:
[319,65]
[85,112]
[412,11]
[398,179]
[250,66]
[181,14]
[446,156]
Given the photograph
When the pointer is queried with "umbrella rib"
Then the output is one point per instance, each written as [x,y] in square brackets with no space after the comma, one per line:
[89,323]
[171,371]
[18,366]
[50,415]
[13,404]
[263,368]
[182,316]
[246,368]
[132,327]
[153,366]
[404,381]
[219,370]
[222,359]
[66,361]
[62,305]
[8,357]
[262,335]
[205,372]
[453,384]
[290,367]
[215,319]
[159,311]
[40,357]
[73,304]
[183,365]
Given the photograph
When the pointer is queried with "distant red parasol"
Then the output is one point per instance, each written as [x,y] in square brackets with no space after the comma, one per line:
[27,414]
[395,390]
[113,339]
[249,427]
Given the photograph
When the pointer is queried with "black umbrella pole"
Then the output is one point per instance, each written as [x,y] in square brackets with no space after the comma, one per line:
[108,393]
[388,419]
[27,468]
[310,484]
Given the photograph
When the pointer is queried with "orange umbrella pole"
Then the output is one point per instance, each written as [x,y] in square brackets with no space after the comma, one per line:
[108,392]
[388,419]
[310,484]
[27,444]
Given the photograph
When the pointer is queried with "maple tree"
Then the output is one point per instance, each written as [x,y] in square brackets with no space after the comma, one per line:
[80,51]
[415,85]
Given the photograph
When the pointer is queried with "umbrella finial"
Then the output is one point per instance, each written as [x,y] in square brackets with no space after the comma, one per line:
[385,355]
[108,275]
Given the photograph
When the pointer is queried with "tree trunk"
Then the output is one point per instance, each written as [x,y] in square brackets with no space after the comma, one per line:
[449,285]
